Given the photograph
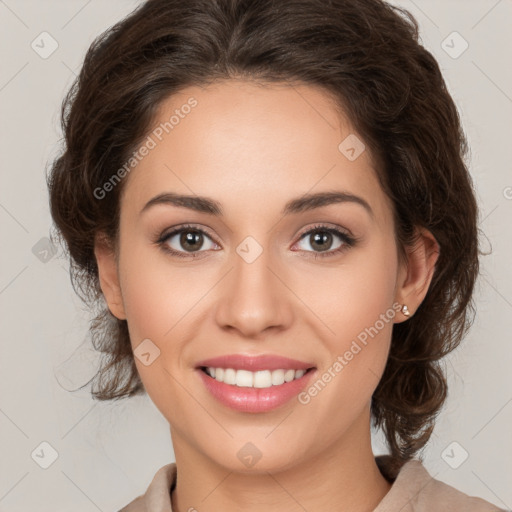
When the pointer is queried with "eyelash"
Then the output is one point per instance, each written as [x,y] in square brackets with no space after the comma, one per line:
[348,241]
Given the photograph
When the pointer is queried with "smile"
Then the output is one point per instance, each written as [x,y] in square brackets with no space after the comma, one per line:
[258,379]
[254,392]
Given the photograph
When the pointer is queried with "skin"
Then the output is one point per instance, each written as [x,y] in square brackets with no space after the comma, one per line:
[252,148]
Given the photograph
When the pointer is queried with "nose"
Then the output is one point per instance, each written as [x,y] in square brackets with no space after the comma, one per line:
[254,298]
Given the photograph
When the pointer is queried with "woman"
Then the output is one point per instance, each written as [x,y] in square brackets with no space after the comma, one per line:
[270,204]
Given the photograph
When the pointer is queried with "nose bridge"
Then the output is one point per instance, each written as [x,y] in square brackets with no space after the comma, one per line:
[252,261]
[254,299]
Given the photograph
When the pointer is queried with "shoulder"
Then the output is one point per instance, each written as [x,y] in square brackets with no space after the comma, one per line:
[415,490]
[136,505]
[158,493]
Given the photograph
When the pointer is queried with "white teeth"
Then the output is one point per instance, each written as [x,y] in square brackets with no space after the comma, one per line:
[229,376]
[289,375]
[262,379]
[299,374]
[278,378]
[244,379]
[259,379]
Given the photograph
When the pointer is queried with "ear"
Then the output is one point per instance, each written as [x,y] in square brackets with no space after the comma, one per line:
[415,276]
[108,275]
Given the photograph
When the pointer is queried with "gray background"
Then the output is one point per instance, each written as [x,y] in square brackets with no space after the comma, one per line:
[108,453]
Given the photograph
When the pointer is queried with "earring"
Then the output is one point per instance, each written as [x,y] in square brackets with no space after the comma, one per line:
[405,310]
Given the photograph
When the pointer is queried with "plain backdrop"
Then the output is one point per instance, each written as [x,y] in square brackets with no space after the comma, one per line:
[105,453]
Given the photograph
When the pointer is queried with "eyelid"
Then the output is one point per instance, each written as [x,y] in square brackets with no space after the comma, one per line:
[348,240]
[327,226]
[183,227]
[346,236]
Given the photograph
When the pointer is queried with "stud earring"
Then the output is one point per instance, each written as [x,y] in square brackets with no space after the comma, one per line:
[405,310]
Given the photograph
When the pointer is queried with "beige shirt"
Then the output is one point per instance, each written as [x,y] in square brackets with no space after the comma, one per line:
[412,490]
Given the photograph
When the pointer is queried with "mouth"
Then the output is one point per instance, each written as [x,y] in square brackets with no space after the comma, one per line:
[254,379]
[254,384]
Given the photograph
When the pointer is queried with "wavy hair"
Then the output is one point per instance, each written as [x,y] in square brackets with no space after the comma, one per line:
[367,56]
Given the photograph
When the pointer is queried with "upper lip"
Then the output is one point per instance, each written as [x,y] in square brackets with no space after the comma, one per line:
[255,363]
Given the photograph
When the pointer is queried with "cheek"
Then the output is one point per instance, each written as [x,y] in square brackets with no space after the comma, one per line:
[350,296]
[353,306]
[156,302]
[155,294]
[161,301]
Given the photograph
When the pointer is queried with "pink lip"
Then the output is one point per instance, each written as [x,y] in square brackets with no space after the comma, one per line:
[255,363]
[254,400]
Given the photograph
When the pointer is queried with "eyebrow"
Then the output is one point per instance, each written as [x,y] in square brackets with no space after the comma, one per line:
[301,204]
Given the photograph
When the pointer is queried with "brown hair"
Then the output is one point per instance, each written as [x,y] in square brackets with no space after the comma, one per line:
[366,55]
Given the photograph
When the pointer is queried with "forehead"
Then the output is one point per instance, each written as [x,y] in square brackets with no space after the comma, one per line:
[248,144]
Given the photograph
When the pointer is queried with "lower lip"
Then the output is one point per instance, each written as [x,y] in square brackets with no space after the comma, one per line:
[254,399]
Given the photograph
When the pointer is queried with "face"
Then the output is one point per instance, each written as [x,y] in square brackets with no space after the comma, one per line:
[260,271]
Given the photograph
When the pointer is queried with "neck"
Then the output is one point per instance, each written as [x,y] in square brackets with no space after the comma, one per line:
[344,476]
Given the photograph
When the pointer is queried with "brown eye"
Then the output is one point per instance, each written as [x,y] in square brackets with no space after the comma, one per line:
[187,241]
[322,238]
[191,240]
